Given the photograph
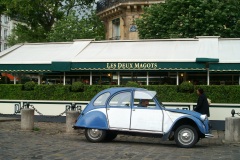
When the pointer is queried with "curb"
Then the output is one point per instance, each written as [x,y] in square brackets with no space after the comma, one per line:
[5,119]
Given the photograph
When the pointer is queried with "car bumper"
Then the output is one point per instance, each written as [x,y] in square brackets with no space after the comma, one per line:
[209,135]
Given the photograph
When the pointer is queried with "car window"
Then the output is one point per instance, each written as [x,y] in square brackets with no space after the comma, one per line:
[144,94]
[121,99]
[139,103]
[144,99]
[101,100]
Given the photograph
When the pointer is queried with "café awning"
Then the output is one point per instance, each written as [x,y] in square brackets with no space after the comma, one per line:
[225,67]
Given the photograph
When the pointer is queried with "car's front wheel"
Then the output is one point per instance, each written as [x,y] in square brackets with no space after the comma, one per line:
[95,135]
[186,136]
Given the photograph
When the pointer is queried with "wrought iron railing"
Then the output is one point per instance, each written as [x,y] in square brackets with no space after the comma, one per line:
[104,4]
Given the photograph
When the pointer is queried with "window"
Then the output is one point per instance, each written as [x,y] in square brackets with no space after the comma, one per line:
[5,33]
[116,29]
[5,46]
[121,99]
[101,100]
[144,99]
[5,19]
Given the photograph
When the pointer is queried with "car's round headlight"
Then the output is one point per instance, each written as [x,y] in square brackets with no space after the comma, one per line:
[203,117]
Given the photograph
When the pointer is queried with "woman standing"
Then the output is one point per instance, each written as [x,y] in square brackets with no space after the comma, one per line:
[202,103]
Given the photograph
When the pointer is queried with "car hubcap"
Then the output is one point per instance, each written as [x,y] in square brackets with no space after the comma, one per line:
[94,133]
[186,136]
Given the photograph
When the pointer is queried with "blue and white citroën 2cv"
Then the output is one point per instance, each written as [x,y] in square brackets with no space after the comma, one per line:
[137,111]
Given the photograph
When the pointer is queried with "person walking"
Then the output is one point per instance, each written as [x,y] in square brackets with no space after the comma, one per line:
[202,103]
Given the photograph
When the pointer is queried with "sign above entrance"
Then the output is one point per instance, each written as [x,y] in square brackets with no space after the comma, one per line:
[121,66]
[124,66]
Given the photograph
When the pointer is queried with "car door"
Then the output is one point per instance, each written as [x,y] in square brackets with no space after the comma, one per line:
[146,118]
[119,111]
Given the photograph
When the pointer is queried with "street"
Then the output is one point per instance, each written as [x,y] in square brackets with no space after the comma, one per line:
[49,141]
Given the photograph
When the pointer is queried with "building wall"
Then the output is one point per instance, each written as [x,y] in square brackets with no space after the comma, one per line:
[7,25]
[127,11]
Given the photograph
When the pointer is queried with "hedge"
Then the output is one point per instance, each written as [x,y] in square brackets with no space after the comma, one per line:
[165,93]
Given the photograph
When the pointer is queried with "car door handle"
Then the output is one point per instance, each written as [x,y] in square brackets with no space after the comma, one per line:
[108,108]
[133,110]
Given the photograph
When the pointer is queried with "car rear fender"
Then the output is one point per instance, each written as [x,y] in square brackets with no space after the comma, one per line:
[92,119]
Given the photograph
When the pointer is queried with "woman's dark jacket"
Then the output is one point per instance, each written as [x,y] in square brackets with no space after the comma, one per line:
[202,105]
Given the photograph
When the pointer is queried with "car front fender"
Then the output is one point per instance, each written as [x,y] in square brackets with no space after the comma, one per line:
[183,120]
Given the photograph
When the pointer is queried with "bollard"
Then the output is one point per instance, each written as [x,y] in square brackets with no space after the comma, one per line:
[71,117]
[232,129]
[27,119]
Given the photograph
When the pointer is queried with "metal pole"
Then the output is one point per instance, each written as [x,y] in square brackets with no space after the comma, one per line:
[14,78]
[118,76]
[147,79]
[90,78]
[208,77]
[239,80]
[64,79]
[39,79]
[177,79]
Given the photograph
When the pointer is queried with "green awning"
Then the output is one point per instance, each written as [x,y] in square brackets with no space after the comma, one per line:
[61,66]
[91,66]
[118,66]
[25,67]
[207,60]
[225,67]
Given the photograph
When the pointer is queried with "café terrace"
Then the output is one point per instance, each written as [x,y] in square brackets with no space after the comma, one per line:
[206,60]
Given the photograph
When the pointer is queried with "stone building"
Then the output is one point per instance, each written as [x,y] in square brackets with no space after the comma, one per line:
[7,24]
[119,17]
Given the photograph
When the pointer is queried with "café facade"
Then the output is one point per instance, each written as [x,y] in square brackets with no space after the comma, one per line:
[206,60]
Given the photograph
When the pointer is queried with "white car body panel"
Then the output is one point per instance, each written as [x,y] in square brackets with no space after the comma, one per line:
[147,119]
[119,117]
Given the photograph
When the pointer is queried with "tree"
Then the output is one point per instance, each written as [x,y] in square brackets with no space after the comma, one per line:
[2,8]
[40,15]
[72,27]
[190,18]
[22,33]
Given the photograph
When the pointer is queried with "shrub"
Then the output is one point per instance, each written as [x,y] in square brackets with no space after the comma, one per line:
[132,84]
[165,93]
[4,80]
[28,86]
[186,87]
[77,87]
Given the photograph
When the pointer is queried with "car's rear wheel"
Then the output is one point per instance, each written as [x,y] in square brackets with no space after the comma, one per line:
[186,136]
[95,135]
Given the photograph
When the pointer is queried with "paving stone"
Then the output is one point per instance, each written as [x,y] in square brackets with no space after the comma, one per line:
[49,141]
